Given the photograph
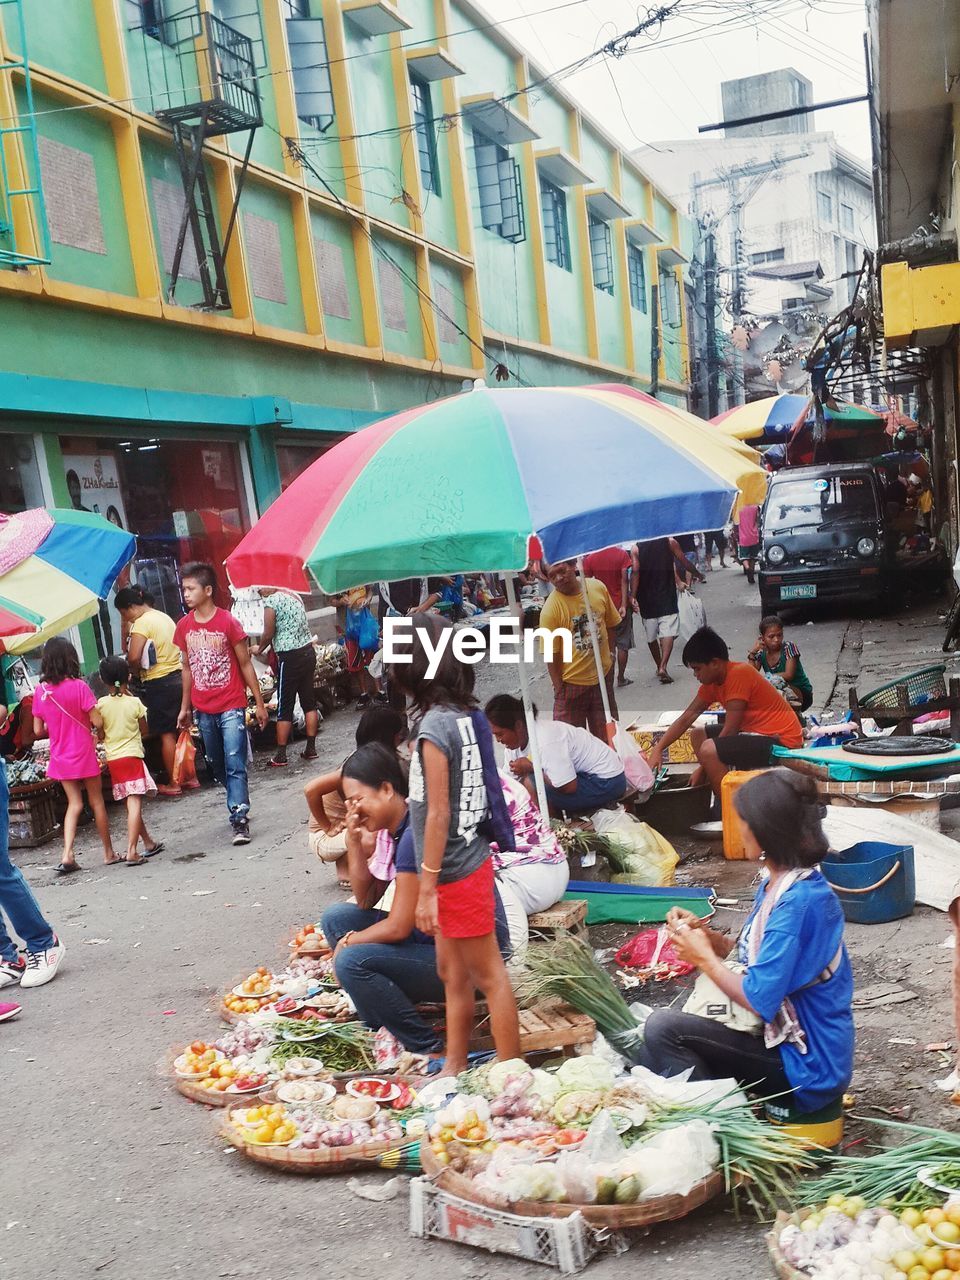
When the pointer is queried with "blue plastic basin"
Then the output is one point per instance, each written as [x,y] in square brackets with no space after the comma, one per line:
[873,880]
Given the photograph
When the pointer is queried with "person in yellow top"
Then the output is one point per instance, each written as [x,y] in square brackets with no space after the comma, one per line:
[576,684]
[155,661]
[121,721]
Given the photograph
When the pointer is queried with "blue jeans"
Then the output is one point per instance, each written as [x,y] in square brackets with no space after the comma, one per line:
[386,979]
[224,736]
[16,897]
[591,793]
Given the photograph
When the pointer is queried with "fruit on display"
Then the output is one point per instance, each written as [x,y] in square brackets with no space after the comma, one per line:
[239,1004]
[267,1125]
[198,1060]
[259,983]
[321,1130]
[846,1240]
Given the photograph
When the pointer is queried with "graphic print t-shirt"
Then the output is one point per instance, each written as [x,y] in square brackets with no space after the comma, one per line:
[453,731]
[208,647]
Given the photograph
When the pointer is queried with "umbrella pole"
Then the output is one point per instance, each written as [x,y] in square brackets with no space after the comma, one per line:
[534,744]
[595,642]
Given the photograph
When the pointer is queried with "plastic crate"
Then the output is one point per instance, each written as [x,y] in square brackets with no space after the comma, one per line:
[921,686]
[567,1244]
[33,819]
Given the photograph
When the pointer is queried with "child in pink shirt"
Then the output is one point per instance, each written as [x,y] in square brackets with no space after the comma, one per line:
[61,712]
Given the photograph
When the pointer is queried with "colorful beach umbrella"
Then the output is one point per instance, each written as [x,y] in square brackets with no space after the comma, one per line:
[51,582]
[771,418]
[463,484]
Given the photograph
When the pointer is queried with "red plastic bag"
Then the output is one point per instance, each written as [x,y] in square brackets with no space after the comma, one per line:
[651,952]
[184,767]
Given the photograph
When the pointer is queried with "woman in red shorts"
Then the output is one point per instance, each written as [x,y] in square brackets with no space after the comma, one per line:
[451,820]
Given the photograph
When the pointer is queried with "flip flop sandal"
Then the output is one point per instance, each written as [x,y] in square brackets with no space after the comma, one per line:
[134,862]
[309,755]
[157,848]
[277,764]
[117,862]
[66,868]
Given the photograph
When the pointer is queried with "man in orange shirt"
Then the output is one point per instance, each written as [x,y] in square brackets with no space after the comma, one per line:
[757,717]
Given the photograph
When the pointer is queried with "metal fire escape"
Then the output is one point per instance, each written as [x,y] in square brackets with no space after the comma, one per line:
[24,234]
[202,76]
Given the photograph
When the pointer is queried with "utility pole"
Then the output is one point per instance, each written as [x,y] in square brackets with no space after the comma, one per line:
[736,266]
[710,308]
[655,338]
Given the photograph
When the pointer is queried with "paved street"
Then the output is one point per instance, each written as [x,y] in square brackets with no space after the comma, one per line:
[107,1167]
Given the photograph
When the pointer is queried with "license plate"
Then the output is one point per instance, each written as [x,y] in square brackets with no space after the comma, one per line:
[802,591]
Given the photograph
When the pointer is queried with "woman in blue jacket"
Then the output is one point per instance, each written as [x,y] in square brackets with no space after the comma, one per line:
[791,971]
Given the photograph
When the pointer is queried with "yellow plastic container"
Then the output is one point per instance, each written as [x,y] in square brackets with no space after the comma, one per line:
[823,1128]
[732,782]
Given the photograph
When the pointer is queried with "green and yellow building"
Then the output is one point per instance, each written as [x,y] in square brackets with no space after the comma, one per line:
[380,209]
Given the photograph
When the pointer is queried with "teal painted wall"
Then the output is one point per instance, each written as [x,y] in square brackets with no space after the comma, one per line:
[595,156]
[454,347]
[160,167]
[89,135]
[102,347]
[371,77]
[274,209]
[610,322]
[549,117]
[337,231]
[408,340]
[60,36]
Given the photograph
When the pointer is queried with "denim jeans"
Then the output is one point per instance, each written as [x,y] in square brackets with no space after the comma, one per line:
[16,897]
[673,1041]
[591,793]
[386,979]
[224,736]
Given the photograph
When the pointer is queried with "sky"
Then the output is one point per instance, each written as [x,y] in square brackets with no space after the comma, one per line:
[669,83]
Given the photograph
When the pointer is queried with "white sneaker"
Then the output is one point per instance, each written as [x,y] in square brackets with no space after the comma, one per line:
[42,966]
[11,973]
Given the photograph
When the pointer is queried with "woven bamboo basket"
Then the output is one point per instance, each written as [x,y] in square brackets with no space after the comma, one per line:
[784,1269]
[318,1163]
[211,1098]
[614,1216]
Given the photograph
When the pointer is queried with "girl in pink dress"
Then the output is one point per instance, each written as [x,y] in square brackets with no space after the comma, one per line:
[61,712]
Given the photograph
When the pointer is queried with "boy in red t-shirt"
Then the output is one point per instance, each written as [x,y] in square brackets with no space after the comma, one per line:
[217,672]
[757,718]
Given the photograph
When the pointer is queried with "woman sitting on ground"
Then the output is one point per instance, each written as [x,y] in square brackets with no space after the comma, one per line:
[792,979]
[325,799]
[582,773]
[774,656]
[381,960]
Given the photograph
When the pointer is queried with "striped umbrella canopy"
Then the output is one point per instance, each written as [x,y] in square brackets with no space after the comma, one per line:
[771,418]
[51,582]
[463,484]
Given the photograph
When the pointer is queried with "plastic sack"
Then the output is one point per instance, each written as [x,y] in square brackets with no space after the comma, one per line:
[184,760]
[693,615]
[638,772]
[680,1089]
[361,626]
[649,948]
[646,853]
[673,1162]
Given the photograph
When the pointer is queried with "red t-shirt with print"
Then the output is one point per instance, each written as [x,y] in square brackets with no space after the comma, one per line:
[208,647]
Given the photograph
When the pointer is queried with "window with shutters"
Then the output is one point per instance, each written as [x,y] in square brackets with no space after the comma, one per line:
[637,271]
[670,299]
[556,233]
[425,128]
[498,183]
[601,254]
[312,88]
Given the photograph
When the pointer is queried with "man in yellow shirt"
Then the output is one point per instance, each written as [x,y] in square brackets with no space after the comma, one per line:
[155,661]
[576,684]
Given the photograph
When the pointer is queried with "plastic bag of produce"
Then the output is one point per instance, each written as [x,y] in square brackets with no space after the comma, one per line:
[602,1145]
[681,1089]
[638,772]
[184,766]
[646,853]
[673,1162]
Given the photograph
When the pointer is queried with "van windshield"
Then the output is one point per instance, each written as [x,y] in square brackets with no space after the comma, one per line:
[809,504]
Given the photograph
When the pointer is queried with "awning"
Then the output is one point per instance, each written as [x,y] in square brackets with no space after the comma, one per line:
[606,205]
[497,120]
[375,17]
[433,63]
[640,232]
[560,168]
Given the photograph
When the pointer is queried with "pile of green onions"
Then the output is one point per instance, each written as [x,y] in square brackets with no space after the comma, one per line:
[759,1160]
[888,1175]
[568,970]
[341,1046]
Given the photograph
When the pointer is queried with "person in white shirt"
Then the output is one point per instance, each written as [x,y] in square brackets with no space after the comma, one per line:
[581,772]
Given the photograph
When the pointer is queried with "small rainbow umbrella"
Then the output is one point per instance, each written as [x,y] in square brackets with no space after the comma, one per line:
[771,418]
[463,484]
[55,567]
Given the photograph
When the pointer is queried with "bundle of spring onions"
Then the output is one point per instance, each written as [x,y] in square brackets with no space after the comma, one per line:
[567,969]
[890,1174]
[341,1046]
[759,1161]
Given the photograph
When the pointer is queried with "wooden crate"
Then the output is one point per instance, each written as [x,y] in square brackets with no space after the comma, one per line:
[562,917]
[544,1028]
[33,820]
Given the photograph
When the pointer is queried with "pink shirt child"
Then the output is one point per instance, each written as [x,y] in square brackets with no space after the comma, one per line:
[64,709]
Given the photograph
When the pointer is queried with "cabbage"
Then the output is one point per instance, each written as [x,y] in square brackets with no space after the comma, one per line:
[589,1073]
[545,1085]
[500,1071]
